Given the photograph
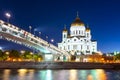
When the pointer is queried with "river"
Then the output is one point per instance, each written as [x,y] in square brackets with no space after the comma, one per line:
[72,74]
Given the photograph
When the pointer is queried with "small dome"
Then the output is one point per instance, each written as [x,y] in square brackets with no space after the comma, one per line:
[64,30]
[87,29]
[77,22]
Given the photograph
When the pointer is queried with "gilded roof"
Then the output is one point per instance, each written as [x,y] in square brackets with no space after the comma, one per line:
[77,22]
[65,30]
[87,29]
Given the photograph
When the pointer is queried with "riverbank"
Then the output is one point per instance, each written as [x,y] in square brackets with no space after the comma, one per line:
[57,65]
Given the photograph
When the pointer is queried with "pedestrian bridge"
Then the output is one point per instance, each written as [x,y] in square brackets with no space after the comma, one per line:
[17,35]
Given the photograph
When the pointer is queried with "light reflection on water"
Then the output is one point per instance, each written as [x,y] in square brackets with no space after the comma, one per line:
[7,74]
[31,74]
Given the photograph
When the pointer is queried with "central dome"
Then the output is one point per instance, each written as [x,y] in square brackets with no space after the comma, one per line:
[77,22]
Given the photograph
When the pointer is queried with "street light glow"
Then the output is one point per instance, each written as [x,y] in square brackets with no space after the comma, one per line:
[39,34]
[0,48]
[52,40]
[34,31]
[8,15]
[30,27]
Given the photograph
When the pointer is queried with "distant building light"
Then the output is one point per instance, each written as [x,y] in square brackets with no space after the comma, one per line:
[0,48]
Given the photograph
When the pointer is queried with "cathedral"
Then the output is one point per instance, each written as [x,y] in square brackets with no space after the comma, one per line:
[78,39]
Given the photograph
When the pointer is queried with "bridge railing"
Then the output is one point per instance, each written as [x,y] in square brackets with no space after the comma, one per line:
[20,33]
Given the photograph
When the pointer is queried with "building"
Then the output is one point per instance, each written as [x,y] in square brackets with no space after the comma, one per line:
[78,40]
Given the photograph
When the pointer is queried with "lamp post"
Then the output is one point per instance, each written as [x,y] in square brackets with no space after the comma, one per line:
[8,16]
[39,34]
[30,27]
[34,31]
[52,40]
[0,48]
[46,38]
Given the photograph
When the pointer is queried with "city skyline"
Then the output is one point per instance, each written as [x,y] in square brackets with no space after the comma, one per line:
[49,17]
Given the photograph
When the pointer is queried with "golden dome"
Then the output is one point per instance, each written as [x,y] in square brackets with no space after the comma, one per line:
[64,30]
[77,22]
[87,29]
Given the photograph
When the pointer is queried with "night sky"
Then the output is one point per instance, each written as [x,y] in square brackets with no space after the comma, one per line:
[49,17]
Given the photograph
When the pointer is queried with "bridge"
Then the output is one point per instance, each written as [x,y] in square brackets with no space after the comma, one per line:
[17,35]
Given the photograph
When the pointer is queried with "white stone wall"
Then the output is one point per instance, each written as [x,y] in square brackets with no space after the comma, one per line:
[79,41]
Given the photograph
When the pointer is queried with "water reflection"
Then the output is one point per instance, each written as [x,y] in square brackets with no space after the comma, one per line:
[45,75]
[82,74]
[61,75]
[22,74]
[31,74]
[101,74]
[7,74]
[73,75]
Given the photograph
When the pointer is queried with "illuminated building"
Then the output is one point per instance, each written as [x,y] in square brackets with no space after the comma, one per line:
[78,41]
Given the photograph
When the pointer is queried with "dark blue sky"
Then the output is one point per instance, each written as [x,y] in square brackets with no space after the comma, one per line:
[49,17]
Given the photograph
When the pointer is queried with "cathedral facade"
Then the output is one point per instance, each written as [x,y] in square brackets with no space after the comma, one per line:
[78,40]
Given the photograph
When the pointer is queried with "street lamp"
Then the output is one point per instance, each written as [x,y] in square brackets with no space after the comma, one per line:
[46,38]
[30,27]
[39,34]
[0,48]
[52,40]
[34,31]
[8,16]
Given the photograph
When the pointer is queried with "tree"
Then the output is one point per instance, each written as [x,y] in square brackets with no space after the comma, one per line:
[3,56]
[117,56]
[26,55]
[14,54]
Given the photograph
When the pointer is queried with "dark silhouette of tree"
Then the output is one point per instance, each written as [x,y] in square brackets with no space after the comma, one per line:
[14,54]
[117,56]
[3,56]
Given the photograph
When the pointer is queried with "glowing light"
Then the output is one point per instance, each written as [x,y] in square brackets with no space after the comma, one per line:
[52,40]
[73,75]
[0,48]
[8,15]
[7,53]
[89,77]
[22,74]
[34,31]
[46,75]
[6,74]
[30,27]
[49,75]
[101,74]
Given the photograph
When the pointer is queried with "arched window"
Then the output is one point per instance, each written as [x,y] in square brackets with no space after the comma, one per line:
[68,40]
[81,47]
[64,36]
[87,34]
[87,47]
[74,39]
[76,31]
[68,47]
[73,32]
